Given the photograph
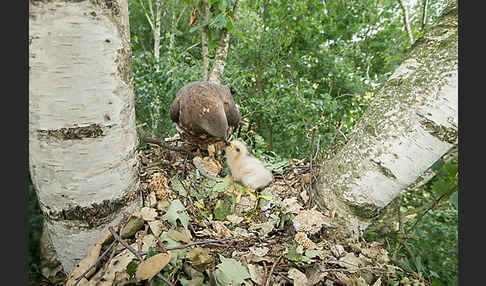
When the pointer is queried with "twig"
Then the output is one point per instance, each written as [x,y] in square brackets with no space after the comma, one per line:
[432,206]
[351,270]
[311,152]
[337,281]
[94,264]
[269,278]
[318,147]
[192,244]
[265,277]
[107,263]
[165,145]
[185,162]
[139,257]
[337,132]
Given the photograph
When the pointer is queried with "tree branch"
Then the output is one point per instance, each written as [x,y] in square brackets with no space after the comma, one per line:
[139,257]
[448,193]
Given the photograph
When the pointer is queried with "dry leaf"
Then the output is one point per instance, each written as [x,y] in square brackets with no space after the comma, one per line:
[156,227]
[178,236]
[234,219]
[256,273]
[151,200]
[117,265]
[193,20]
[221,230]
[148,214]
[302,239]
[310,221]
[148,241]
[150,267]
[299,278]
[88,261]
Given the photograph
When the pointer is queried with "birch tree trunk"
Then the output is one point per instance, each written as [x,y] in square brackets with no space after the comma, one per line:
[204,39]
[221,52]
[423,22]
[154,21]
[409,126]
[82,138]
[173,27]
[406,21]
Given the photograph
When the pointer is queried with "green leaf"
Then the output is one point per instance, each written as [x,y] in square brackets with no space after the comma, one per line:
[230,272]
[454,198]
[177,186]
[132,268]
[293,254]
[224,208]
[223,4]
[151,252]
[176,212]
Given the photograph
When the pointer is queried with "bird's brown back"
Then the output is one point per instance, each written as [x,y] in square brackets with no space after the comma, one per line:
[205,107]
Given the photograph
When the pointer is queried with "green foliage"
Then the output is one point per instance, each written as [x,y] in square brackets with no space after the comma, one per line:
[132,268]
[35,233]
[433,253]
[154,90]
[292,65]
[176,212]
[230,272]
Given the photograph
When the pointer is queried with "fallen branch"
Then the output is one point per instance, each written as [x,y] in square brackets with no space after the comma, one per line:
[165,145]
[269,278]
[107,263]
[192,244]
[94,264]
[311,154]
[139,257]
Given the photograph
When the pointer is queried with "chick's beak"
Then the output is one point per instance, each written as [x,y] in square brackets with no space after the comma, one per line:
[226,142]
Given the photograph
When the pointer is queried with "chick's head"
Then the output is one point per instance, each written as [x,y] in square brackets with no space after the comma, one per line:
[236,150]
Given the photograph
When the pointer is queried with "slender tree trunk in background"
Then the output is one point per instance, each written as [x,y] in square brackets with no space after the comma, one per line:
[424,15]
[222,52]
[154,21]
[410,125]
[265,126]
[204,39]
[158,12]
[173,28]
[406,21]
[82,137]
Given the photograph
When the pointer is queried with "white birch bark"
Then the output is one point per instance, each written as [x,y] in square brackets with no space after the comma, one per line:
[409,126]
[220,58]
[154,21]
[82,138]
[219,64]
[204,40]
[406,21]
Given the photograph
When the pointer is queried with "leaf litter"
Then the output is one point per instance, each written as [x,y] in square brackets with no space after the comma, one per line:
[196,229]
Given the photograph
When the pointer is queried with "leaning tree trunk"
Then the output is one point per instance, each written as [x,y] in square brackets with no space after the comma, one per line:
[409,126]
[82,138]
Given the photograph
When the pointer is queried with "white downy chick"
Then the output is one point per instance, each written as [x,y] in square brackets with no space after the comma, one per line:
[246,169]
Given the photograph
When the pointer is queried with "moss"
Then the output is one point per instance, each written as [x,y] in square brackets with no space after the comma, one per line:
[73,133]
[440,132]
[96,214]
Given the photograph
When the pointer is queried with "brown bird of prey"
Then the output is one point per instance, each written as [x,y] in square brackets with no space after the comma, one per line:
[205,113]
